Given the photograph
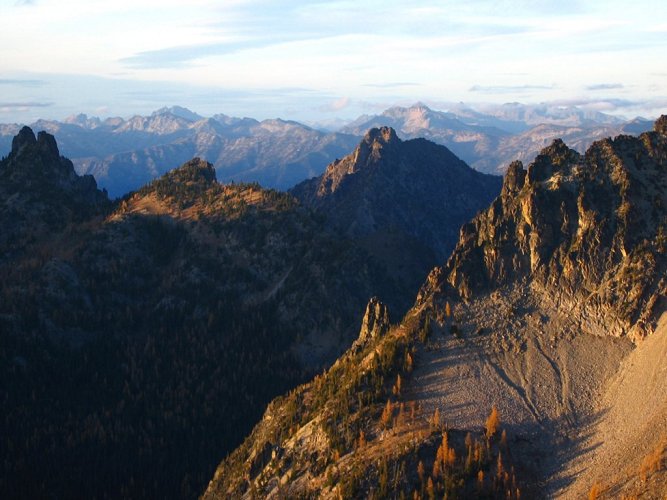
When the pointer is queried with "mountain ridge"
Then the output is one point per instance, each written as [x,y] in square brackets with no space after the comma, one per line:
[162,323]
[400,200]
[490,335]
[386,179]
[523,233]
[489,141]
[123,154]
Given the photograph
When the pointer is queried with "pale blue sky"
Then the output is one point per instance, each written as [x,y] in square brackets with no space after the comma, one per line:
[319,60]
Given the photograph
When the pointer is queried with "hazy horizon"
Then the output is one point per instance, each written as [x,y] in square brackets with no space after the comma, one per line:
[328,59]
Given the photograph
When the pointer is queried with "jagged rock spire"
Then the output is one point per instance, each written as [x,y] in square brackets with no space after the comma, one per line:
[376,321]
[25,138]
[660,125]
[514,178]
[34,165]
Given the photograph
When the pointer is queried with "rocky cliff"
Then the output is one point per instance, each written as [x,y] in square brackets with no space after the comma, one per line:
[589,231]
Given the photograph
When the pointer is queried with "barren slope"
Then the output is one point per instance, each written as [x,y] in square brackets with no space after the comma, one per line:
[621,449]
[544,374]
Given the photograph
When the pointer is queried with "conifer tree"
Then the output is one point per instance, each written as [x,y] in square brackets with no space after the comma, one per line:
[408,362]
[492,423]
[595,491]
[480,480]
[436,418]
[430,489]
[362,439]
[451,457]
[387,413]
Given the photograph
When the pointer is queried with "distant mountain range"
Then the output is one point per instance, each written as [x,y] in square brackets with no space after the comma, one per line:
[123,154]
[490,141]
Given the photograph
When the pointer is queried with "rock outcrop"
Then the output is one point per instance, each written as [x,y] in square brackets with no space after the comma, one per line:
[375,323]
[40,193]
[35,163]
[590,231]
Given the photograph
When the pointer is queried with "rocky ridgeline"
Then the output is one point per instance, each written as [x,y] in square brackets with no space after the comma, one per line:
[588,231]
[416,187]
[46,166]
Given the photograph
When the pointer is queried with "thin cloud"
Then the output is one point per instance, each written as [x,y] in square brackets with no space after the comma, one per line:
[336,105]
[288,91]
[22,107]
[393,85]
[585,102]
[605,86]
[603,105]
[22,83]
[178,57]
[508,89]
[23,3]
[182,56]
[25,104]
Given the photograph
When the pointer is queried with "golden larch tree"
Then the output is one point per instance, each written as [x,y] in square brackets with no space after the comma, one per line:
[362,439]
[430,489]
[492,423]
[451,457]
[387,414]
[595,491]
[436,418]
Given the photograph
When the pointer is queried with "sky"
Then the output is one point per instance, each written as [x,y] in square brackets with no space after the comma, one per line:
[323,60]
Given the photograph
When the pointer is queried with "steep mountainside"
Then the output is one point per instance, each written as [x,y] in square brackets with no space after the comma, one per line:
[531,366]
[488,141]
[138,339]
[403,200]
[590,230]
[123,155]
